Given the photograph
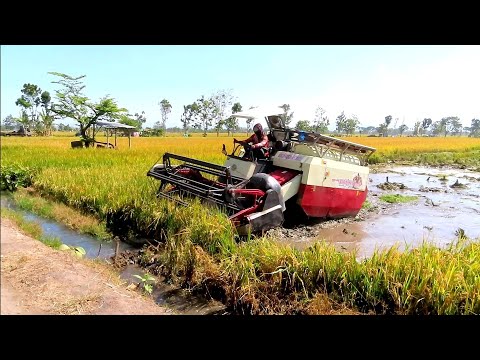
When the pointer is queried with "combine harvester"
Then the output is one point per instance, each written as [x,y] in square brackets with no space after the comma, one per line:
[325,176]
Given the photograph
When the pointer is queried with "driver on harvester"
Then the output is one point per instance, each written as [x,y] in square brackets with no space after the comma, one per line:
[257,143]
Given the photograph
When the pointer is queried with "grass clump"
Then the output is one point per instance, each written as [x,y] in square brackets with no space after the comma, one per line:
[397,198]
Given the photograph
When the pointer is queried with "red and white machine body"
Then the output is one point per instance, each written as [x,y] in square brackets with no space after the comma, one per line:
[326,176]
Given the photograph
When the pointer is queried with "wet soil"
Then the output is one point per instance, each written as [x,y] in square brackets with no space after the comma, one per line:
[35,279]
[447,200]
[176,299]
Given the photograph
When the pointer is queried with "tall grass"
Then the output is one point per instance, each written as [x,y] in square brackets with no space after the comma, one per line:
[260,275]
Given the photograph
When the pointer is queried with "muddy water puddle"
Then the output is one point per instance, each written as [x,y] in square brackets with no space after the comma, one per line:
[447,199]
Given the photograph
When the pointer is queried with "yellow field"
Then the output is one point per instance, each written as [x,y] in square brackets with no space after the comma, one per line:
[418,144]
[209,145]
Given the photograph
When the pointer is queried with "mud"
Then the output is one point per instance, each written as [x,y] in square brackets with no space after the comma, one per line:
[448,201]
[165,295]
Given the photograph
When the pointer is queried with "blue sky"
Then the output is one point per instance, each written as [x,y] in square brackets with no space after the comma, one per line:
[407,82]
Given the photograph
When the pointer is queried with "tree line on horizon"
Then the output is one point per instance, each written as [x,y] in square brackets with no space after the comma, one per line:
[213,113]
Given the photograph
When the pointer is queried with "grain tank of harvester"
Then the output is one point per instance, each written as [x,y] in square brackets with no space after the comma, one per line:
[325,176]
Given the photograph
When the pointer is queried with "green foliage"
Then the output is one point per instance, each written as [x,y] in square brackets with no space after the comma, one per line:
[127,120]
[13,176]
[231,123]
[146,281]
[475,128]
[74,105]
[367,205]
[52,241]
[341,124]
[351,124]
[397,198]
[321,121]
[303,125]
[9,122]
[287,117]
[205,110]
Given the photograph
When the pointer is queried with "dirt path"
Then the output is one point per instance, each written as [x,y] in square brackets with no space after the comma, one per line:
[36,279]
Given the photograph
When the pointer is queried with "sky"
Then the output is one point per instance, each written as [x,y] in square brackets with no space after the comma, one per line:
[409,83]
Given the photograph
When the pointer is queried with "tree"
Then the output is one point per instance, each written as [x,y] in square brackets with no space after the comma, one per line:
[29,102]
[438,128]
[287,118]
[426,124]
[222,100]
[165,109]
[416,128]
[75,105]
[321,121]
[341,122]
[136,120]
[9,122]
[141,119]
[388,120]
[205,111]
[63,127]
[475,128]
[351,125]
[188,116]
[24,120]
[367,130]
[303,125]
[402,128]
[128,120]
[454,125]
[382,129]
[47,117]
[232,122]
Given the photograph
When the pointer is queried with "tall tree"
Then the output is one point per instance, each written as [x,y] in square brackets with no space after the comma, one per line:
[165,109]
[402,128]
[321,121]
[475,128]
[30,101]
[454,125]
[188,116]
[140,118]
[206,111]
[426,124]
[287,117]
[222,99]
[341,122]
[47,116]
[388,120]
[417,128]
[438,128]
[232,122]
[75,105]
[351,124]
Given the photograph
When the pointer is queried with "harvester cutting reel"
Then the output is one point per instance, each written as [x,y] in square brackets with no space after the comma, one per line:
[254,205]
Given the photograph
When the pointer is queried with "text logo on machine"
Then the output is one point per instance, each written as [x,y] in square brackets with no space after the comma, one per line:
[357,181]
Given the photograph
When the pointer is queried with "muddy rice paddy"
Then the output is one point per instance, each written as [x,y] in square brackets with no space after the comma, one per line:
[447,200]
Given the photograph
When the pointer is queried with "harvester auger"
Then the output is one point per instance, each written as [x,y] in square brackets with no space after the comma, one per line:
[326,176]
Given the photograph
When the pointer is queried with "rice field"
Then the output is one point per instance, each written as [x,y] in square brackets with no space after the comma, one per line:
[259,276]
